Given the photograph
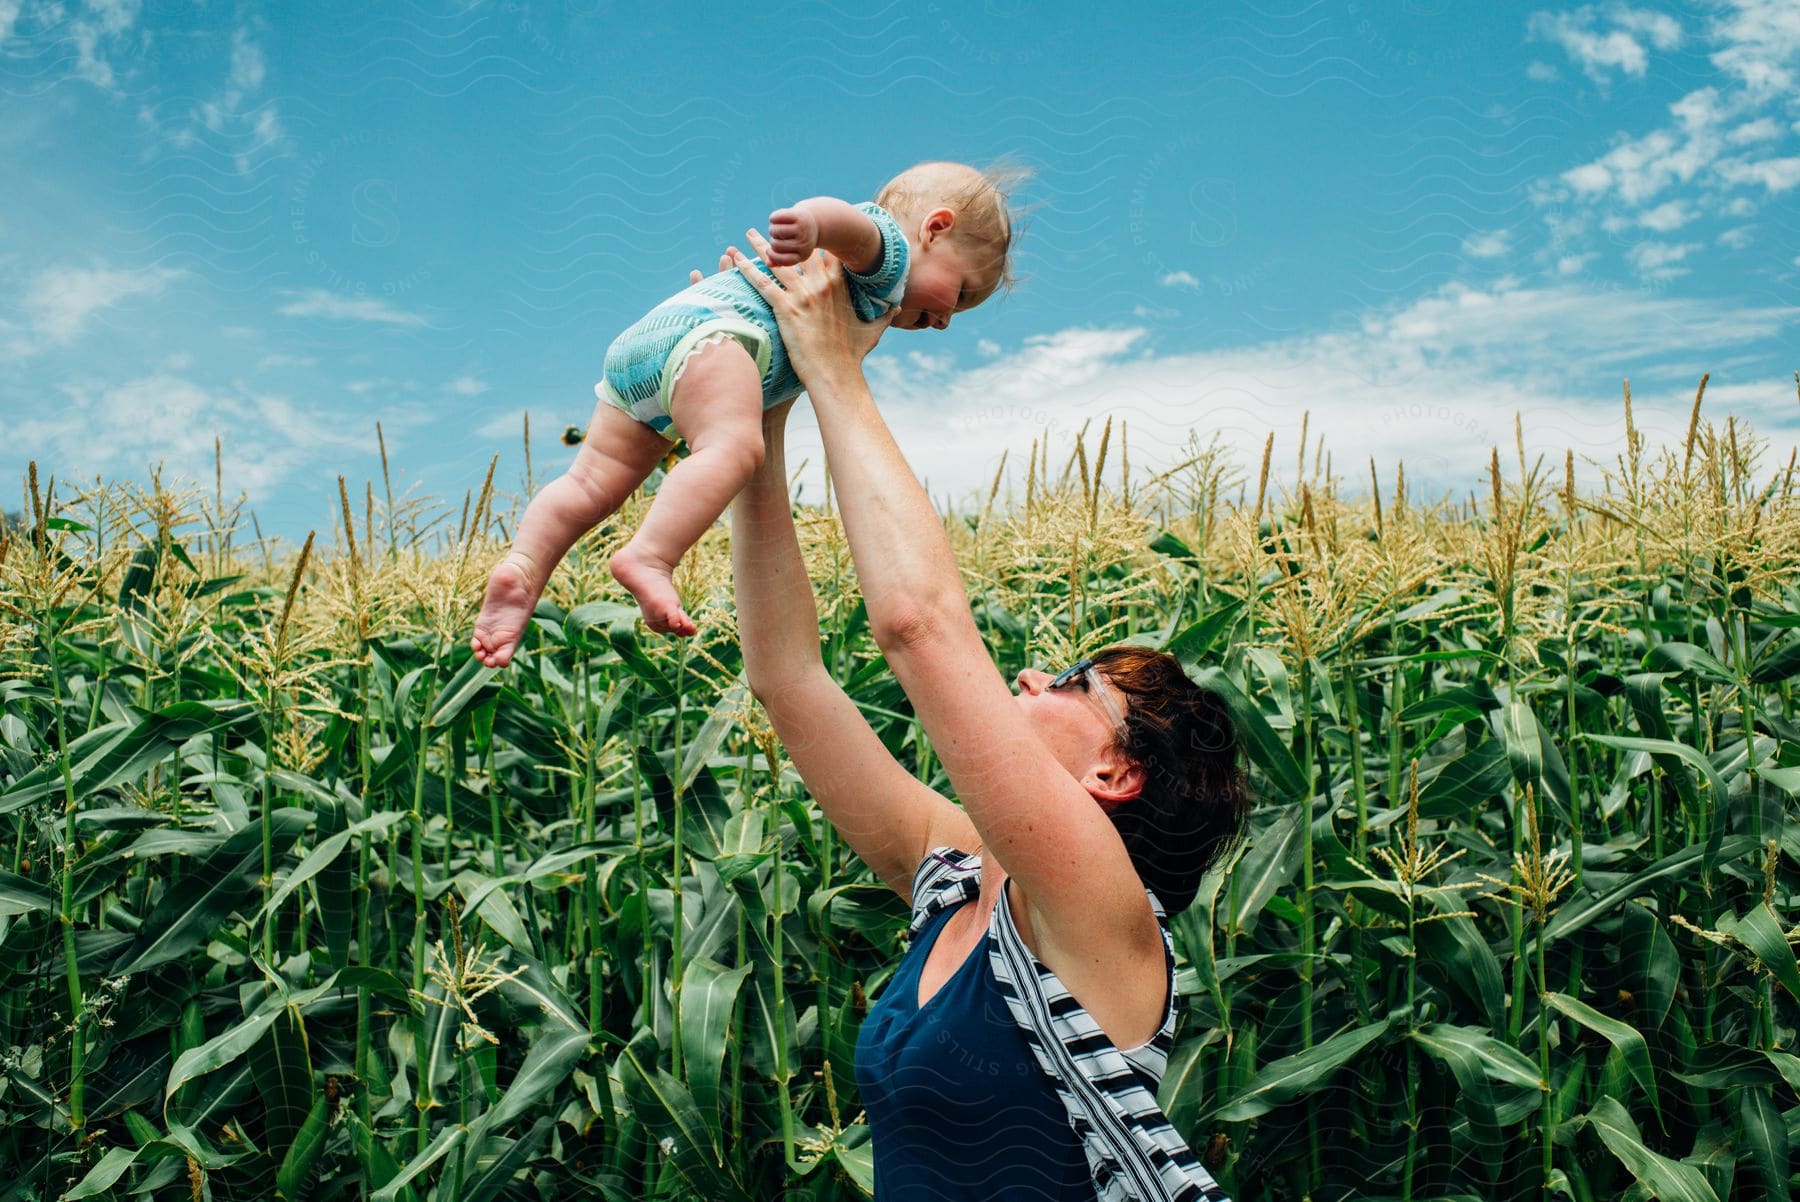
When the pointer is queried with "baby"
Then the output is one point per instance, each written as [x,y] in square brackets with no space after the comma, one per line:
[704,365]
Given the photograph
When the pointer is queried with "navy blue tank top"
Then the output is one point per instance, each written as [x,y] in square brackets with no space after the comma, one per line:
[958,1105]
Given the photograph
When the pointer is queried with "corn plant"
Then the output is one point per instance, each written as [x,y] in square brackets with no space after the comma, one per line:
[301,901]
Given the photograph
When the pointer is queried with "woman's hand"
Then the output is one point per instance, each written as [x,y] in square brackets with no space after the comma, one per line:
[695,276]
[811,302]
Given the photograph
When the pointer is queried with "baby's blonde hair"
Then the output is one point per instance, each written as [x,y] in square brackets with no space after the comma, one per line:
[977,195]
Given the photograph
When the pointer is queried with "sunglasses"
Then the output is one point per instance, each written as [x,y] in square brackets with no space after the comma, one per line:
[1084,673]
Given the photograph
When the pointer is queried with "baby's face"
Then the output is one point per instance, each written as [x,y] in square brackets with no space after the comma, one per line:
[940,283]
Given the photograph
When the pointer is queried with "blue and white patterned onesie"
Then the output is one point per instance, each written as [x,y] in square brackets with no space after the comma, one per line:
[643,363]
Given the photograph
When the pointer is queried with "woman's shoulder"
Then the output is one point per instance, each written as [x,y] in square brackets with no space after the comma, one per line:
[946,877]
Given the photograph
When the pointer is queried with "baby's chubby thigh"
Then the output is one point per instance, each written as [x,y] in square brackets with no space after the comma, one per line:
[717,403]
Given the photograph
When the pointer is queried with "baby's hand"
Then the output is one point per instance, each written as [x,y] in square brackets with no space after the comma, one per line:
[793,236]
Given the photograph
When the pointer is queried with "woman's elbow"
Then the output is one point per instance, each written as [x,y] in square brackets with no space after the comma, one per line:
[914,625]
[776,690]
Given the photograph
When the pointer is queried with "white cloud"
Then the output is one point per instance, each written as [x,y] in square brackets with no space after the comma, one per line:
[1541,72]
[101,21]
[316,302]
[1598,50]
[467,386]
[1759,130]
[247,129]
[268,361]
[1719,139]
[247,67]
[1179,279]
[1762,44]
[59,301]
[1154,312]
[1776,175]
[1487,246]
[173,420]
[1737,238]
[1665,217]
[1656,260]
[988,346]
[1435,382]
[511,424]
[1572,264]
[1639,168]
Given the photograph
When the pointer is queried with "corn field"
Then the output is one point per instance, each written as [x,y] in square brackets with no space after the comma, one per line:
[299,901]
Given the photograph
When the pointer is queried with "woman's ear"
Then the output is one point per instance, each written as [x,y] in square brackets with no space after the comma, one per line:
[1113,783]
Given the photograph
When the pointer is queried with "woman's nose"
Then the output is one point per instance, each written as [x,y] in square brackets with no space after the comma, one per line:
[1030,680]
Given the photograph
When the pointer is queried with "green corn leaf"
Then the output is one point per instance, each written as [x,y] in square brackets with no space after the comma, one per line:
[311,864]
[281,1065]
[226,1047]
[1496,1084]
[1650,961]
[19,895]
[620,624]
[190,912]
[1686,657]
[102,1176]
[668,1110]
[495,908]
[533,989]
[1763,1133]
[1192,644]
[709,992]
[1622,1036]
[471,679]
[1464,703]
[1270,862]
[1578,913]
[1669,1180]
[1266,750]
[1524,745]
[1479,774]
[1292,1076]
[1661,749]
[1781,663]
[1645,691]
[1468,963]
[447,1140]
[377,1162]
[1759,930]
[499,1173]
[303,1152]
[1168,544]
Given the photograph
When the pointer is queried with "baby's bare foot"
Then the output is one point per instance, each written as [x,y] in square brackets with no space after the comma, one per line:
[652,582]
[504,612]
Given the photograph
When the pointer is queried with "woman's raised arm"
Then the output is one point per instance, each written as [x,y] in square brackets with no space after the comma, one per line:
[778,620]
[1033,816]
[889,818]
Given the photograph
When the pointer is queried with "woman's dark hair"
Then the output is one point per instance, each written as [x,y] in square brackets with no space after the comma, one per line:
[1195,806]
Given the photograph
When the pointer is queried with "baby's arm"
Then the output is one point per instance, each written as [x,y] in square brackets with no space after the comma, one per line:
[824,221]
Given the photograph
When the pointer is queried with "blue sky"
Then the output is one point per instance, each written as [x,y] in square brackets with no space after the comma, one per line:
[280,224]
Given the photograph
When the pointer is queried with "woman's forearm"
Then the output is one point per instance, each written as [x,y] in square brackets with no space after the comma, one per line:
[778,620]
[903,558]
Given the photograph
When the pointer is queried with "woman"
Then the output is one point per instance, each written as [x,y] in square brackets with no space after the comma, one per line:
[1091,800]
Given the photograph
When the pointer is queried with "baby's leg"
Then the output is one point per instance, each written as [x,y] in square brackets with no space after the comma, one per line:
[717,405]
[617,454]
